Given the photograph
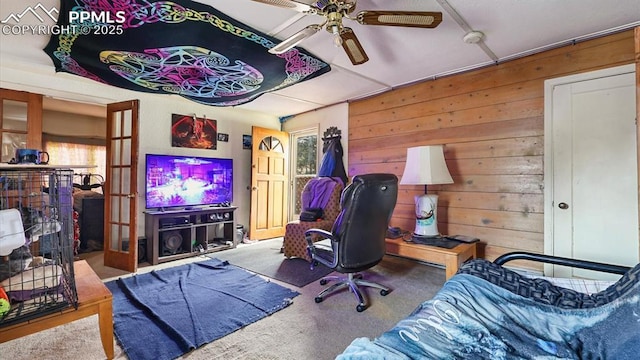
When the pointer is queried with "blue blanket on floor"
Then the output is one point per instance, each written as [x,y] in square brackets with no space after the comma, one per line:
[166,313]
[473,318]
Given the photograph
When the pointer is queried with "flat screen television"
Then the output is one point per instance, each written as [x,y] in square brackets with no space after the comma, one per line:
[187,181]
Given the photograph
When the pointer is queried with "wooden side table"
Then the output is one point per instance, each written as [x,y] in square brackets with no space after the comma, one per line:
[450,258]
[93,298]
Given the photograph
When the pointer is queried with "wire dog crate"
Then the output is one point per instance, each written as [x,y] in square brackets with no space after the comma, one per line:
[36,242]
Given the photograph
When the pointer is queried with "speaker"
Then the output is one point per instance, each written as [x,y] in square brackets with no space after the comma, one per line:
[171,242]
[142,250]
[220,216]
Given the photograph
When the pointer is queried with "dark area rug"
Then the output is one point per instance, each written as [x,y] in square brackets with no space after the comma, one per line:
[265,258]
[166,313]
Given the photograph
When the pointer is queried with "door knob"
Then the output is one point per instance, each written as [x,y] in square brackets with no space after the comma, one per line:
[563,206]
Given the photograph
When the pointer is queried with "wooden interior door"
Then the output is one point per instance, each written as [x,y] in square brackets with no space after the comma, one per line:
[20,122]
[269,176]
[121,205]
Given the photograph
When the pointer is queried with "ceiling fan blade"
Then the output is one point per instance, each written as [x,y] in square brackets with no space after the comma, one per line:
[295,39]
[288,4]
[422,19]
[352,47]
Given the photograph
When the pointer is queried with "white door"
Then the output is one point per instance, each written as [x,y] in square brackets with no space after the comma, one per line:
[304,166]
[591,197]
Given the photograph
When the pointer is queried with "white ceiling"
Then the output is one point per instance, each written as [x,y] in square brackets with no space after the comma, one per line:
[398,56]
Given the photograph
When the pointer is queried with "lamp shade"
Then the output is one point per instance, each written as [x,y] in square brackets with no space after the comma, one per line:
[425,165]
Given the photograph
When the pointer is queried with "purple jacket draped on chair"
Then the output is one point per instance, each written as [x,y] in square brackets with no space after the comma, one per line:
[317,192]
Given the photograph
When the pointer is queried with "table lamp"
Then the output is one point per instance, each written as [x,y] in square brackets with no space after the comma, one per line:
[425,165]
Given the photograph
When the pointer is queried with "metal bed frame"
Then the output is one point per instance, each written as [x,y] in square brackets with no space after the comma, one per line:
[556,260]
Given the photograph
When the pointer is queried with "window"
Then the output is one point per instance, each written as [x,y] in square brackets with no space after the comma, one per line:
[304,164]
[77,151]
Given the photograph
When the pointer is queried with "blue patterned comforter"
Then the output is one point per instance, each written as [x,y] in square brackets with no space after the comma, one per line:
[479,317]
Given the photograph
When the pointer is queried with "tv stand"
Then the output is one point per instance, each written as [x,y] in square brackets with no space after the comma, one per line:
[177,234]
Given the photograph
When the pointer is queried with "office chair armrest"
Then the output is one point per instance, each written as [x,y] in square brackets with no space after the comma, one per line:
[324,233]
[311,248]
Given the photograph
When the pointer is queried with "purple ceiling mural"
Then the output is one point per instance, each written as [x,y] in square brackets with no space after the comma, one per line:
[174,47]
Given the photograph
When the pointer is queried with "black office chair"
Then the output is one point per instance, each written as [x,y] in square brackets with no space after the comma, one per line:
[356,241]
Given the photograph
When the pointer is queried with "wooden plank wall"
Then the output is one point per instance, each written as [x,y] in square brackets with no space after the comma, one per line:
[491,121]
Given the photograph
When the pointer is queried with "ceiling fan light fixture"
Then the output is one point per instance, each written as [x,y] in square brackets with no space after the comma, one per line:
[337,41]
[335,30]
[295,39]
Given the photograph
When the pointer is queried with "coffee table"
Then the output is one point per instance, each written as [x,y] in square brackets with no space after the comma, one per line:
[450,258]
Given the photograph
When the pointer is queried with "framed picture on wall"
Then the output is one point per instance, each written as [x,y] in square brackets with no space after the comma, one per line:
[223,137]
[193,132]
[246,142]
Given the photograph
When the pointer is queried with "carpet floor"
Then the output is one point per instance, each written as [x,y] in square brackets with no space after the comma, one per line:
[303,330]
[264,258]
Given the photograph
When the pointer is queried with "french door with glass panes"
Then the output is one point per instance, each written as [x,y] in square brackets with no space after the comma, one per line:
[121,203]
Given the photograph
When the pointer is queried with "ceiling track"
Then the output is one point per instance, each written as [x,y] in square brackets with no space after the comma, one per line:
[465,26]
[362,76]
[574,41]
[303,101]
[511,57]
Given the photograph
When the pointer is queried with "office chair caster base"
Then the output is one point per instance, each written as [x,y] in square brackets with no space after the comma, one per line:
[327,279]
[361,308]
[318,299]
[384,292]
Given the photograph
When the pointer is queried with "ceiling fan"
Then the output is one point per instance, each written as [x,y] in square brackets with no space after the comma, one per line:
[335,11]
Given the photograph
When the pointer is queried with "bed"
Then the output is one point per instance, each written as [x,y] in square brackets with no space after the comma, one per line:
[487,311]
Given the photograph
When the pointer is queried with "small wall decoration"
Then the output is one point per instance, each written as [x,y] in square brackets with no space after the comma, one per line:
[246,142]
[223,137]
[193,132]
